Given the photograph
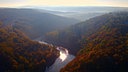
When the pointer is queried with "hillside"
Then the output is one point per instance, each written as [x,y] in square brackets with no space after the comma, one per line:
[106,50]
[33,22]
[74,37]
[20,54]
[100,44]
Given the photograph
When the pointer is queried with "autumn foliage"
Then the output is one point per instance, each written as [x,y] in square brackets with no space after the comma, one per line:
[104,44]
[20,54]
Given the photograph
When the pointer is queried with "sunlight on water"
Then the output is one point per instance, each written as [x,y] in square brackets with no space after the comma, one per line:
[63,53]
[61,61]
[63,56]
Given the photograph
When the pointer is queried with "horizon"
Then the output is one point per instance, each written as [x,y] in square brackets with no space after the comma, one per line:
[56,3]
[63,6]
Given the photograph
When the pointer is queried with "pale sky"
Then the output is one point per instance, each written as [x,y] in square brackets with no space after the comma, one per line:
[16,3]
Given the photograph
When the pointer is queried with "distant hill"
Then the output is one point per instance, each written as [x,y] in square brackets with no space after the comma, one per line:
[81,13]
[20,54]
[33,22]
[79,8]
[81,16]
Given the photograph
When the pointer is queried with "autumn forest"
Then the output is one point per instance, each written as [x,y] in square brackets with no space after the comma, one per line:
[84,40]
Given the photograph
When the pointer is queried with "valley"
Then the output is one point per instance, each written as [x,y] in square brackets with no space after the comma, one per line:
[64,39]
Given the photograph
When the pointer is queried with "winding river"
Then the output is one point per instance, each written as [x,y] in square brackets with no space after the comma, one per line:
[61,61]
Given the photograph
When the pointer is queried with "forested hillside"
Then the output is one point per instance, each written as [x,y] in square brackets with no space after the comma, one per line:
[33,22]
[20,54]
[75,36]
[101,44]
[106,50]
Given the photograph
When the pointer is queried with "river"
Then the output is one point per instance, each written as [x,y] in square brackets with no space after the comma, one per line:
[61,61]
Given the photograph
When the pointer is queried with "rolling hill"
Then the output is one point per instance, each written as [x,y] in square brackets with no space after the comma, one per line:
[81,13]
[33,22]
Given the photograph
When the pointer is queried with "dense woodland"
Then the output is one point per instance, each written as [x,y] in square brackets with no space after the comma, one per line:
[20,54]
[101,44]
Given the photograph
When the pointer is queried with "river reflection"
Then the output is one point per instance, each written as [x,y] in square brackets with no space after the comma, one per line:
[61,61]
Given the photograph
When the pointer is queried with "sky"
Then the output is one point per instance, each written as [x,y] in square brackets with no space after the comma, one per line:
[17,3]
